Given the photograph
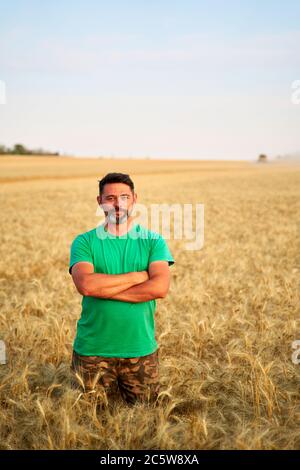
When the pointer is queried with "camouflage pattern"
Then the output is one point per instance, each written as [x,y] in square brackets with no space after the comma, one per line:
[137,378]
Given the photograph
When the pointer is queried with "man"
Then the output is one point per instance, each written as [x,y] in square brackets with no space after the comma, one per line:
[120,268]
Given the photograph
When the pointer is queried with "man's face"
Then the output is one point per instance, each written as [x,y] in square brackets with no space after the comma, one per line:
[117,202]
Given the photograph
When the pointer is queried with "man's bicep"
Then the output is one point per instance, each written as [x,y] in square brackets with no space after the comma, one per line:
[159,267]
[160,270]
[78,271]
[80,251]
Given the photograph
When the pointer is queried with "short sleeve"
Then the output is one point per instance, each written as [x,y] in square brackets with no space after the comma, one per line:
[80,251]
[160,251]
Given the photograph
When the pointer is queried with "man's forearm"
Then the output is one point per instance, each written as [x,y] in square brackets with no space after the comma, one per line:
[106,285]
[148,290]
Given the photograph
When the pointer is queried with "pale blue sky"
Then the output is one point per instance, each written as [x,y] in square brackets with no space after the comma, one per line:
[181,79]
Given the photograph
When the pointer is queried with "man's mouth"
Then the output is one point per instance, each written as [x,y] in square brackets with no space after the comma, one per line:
[117,213]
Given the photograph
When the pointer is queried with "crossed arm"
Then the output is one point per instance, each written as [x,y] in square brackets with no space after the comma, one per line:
[136,286]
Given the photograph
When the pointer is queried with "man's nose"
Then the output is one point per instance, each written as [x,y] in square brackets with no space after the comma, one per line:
[119,204]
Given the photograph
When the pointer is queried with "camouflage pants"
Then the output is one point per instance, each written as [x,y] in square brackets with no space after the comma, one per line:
[137,378]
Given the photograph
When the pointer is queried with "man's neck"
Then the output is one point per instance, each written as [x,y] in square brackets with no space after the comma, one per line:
[119,229]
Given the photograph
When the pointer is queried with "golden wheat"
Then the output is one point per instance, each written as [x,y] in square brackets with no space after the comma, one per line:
[225,329]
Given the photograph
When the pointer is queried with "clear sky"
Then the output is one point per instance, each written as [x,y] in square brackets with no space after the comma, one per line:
[156,78]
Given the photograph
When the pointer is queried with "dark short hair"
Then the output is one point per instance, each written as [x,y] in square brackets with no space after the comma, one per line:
[115,178]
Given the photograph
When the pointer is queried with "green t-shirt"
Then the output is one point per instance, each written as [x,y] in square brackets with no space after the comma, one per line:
[114,328]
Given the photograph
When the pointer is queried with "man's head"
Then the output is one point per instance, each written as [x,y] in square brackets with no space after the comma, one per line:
[116,196]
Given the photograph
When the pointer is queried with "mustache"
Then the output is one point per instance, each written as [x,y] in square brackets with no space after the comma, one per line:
[112,211]
[110,208]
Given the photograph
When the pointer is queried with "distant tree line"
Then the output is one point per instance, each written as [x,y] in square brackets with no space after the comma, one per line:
[19,149]
[262,158]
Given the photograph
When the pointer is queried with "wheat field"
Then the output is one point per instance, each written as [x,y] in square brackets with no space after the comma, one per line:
[225,330]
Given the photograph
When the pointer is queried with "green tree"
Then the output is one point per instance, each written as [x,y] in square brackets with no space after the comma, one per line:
[3,150]
[20,149]
[262,158]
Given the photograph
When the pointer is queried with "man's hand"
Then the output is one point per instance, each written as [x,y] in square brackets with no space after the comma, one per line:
[155,288]
[141,276]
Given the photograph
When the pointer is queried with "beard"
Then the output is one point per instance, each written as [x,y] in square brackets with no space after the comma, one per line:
[118,219]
